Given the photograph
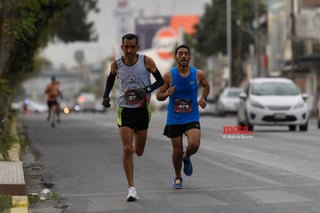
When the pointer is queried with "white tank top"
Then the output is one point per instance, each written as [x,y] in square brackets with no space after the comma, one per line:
[131,77]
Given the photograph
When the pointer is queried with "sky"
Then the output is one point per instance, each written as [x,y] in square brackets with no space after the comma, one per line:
[106,26]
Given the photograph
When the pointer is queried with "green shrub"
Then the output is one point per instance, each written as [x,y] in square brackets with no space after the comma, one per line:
[5,204]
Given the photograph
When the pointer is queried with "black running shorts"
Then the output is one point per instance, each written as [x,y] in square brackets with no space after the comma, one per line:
[51,103]
[134,118]
[176,130]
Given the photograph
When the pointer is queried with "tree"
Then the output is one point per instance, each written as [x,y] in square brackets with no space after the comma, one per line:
[26,26]
[73,25]
[211,31]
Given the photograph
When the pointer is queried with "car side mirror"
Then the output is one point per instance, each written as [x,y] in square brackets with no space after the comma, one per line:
[243,96]
[305,96]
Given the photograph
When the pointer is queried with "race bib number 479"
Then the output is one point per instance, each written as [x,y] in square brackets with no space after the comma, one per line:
[183,105]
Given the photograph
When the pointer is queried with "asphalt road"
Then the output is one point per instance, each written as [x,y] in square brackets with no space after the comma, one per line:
[272,171]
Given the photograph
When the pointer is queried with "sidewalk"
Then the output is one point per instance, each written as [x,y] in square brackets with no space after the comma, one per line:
[12,182]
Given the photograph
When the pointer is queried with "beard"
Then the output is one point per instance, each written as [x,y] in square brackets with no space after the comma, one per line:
[184,63]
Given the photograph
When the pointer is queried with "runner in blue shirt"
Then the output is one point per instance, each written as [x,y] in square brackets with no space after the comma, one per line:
[181,85]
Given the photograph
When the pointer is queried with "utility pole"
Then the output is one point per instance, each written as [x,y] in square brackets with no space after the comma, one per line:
[229,50]
[238,68]
[257,36]
[293,36]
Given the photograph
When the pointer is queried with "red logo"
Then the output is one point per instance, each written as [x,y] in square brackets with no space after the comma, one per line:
[236,132]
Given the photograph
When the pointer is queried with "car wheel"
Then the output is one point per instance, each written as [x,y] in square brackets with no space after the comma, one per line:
[248,124]
[223,113]
[240,123]
[292,127]
[304,127]
[250,127]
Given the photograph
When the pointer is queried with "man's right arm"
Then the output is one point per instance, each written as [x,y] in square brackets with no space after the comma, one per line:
[46,91]
[109,85]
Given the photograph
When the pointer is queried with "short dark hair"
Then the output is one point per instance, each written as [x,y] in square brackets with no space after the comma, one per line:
[130,36]
[182,46]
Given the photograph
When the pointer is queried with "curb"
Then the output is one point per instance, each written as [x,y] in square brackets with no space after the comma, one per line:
[19,204]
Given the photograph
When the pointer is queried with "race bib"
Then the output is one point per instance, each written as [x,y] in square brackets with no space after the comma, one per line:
[183,105]
[131,97]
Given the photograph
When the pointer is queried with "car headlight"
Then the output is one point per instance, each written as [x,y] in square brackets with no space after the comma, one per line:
[256,104]
[300,104]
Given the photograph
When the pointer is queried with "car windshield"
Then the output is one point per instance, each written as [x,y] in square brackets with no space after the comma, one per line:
[234,93]
[274,88]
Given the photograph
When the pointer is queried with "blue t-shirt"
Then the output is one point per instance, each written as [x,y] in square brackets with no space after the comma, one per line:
[183,103]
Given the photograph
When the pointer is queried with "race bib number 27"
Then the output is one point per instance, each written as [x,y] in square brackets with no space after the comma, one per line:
[183,105]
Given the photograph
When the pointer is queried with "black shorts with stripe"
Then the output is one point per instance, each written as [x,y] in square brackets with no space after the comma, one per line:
[134,118]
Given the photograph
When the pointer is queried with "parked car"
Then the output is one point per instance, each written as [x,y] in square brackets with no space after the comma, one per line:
[99,107]
[211,108]
[229,99]
[87,102]
[272,102]
[36,107]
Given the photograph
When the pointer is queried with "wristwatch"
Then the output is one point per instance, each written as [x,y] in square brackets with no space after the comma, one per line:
[148,89]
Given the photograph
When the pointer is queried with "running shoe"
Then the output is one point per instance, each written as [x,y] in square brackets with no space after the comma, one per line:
[177,183]
[132,194]
[187,168]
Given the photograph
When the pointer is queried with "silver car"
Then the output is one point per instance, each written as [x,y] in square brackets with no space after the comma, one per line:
[228,101]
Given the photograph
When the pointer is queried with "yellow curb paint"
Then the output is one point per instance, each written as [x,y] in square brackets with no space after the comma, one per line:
[19,201]
[19,204]
[19,210]
[14,152]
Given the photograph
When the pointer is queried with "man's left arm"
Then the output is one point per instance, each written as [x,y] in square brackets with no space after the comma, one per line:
[205,88]
[152,68]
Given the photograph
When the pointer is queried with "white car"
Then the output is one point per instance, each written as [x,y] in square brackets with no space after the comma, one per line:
[228,101]
[273,102]
[211,108]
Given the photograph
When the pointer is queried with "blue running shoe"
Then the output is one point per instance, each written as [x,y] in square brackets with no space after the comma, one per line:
[177,183]
[187,168]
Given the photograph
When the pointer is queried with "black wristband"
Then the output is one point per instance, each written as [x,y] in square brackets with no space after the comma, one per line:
[205,98]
